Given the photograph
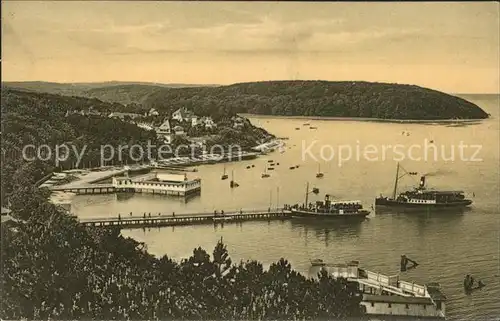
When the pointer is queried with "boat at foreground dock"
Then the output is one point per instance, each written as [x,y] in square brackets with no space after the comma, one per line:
[421,197]
[386,296]
[329,209]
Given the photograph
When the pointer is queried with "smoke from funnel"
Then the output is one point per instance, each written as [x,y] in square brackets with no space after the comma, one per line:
[439,172]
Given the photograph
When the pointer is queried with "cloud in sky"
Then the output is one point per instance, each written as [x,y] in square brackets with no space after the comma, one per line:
[191,41]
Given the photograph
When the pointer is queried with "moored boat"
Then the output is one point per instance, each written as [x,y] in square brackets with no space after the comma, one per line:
[318,262]
[265,174]
[319,174]
[388,297]
[329,209]
[224,175]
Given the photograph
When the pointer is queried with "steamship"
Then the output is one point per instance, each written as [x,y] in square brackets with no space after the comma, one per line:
[421,197]
[328,209]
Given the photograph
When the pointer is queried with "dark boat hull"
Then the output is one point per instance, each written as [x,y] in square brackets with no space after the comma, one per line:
[329,216]
[397,204]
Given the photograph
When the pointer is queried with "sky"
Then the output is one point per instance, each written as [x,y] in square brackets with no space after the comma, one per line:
[453,47]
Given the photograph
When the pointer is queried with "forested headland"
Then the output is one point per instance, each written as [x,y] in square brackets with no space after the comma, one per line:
[296,98]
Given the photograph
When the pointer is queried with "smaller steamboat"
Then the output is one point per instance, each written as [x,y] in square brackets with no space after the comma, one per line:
[329,209]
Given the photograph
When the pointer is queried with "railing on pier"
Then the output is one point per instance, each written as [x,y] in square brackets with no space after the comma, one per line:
[391,284]
[151,220]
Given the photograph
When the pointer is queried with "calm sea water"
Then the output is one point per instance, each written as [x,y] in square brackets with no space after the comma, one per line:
[447,245]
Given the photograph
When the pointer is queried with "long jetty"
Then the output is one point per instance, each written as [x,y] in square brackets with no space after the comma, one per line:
[152,220]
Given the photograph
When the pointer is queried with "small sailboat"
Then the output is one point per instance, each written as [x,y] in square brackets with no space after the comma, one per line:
[233,184]
[265,174]
[319,174]
[224,175]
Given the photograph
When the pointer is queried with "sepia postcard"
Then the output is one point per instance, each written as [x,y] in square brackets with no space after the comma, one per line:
[250,160]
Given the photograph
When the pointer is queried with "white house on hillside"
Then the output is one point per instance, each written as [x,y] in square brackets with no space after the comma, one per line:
[164,132]
[178,130]
[195,121]
[153,112]
[182,114]
[145,126]
[238,122]
[209,122]
[122,116]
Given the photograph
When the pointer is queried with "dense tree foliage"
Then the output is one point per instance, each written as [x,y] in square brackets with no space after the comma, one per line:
[294,98]
[54,268]
[319,98]
[39,119]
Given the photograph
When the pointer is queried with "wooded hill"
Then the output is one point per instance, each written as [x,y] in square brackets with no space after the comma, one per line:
[296,98]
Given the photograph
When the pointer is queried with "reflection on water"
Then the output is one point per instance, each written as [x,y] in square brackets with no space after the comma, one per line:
[381,210]
[122,197]
[326,231]
[447,244]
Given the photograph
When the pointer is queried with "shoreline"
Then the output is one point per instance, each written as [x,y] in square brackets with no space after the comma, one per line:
[381,120]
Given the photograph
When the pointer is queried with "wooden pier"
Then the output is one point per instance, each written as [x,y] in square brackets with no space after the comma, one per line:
[159,219]
[86,189]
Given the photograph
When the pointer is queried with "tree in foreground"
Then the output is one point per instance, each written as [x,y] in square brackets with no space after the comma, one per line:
[54,268]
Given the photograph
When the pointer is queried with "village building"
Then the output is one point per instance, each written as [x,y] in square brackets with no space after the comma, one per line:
[208,122]
[6,211]
[164,132]
[158,183]
[198,142]
[88,112]
[195,121]
[124,116]
[183,114]
[153,112]
[179,131]
[146,126]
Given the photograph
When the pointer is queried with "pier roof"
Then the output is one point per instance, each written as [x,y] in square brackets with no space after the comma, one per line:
[170,177]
